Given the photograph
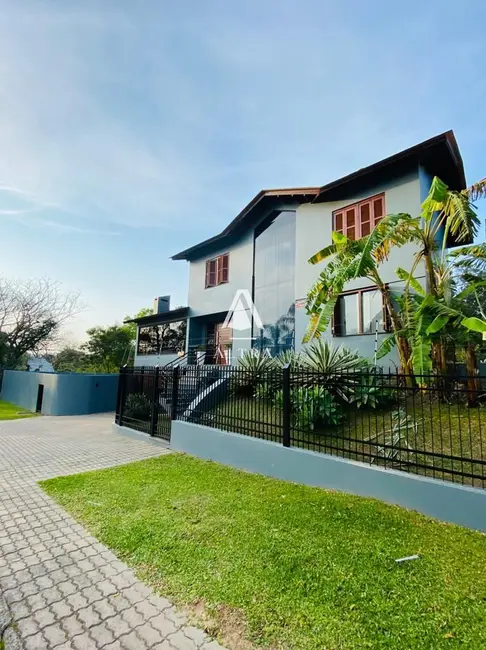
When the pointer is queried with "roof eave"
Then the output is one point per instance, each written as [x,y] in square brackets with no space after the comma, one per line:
[164,317]
[300,192]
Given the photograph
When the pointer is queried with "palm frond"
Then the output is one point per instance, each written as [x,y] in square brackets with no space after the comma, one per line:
[455,209]
[474,324]
[319,320]
[410,280]
[387,345]
[477,190]
[461,217]
[394,230]
[421,355]
[323,254]
[435,200]
[437,324]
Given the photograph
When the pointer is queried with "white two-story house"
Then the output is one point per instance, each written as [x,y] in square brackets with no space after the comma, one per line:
[261,257]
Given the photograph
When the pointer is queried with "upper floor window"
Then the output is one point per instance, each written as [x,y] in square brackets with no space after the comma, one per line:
[217,271]
[358,220]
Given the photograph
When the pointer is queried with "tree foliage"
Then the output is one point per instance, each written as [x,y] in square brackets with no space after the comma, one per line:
[31,316]
[132,327]
[70,359]
[108,348]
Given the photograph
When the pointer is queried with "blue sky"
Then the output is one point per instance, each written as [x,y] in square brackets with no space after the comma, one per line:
[131,130]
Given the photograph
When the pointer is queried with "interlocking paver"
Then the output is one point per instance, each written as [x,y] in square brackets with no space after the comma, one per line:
[63,588]
[54,634]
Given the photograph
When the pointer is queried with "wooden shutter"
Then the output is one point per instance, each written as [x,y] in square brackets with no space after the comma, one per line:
[378,209]
[350,222]
[220,269]
[338,221]
[211,273]
[225,268]
[365,218]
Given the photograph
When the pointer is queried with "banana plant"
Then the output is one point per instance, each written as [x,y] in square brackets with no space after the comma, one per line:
[423,313]
[349,259]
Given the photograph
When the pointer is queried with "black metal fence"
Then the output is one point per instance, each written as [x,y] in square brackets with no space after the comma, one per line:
[145,396]
[428,425]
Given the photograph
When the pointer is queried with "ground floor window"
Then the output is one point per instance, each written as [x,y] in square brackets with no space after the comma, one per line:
[360,312]
[162,339]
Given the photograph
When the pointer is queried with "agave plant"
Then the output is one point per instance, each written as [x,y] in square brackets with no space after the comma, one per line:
[288,358]
[254,369]
[327,358]
[337,368]
[394,442]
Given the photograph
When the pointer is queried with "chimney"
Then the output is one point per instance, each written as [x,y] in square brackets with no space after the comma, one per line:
[161,304]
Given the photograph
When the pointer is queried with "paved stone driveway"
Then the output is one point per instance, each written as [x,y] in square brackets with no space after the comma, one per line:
[63,588]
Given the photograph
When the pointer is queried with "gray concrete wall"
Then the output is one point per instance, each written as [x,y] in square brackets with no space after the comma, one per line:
[64,393]
[445,501]
[314,231]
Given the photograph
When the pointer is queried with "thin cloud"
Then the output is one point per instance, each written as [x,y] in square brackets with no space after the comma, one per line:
[11,212]
[69,228]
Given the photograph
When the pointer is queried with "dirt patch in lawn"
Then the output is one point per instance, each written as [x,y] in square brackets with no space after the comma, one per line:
[227,623]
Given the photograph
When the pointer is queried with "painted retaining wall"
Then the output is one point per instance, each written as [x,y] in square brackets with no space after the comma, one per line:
[453,503]
[64,393]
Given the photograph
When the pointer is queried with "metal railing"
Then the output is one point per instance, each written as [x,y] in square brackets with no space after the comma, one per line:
[429,425]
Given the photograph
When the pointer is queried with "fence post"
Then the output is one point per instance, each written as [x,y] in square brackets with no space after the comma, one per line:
[286,405]
[122,388]
[154,415]
[175,393]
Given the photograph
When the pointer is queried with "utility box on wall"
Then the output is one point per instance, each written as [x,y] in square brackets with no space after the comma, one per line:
[53,393]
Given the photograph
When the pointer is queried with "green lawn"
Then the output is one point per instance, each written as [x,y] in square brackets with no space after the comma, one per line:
[12,412]
[286,566]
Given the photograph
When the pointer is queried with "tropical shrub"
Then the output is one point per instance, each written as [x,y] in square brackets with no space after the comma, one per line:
[288,358]
[327,358]
[312,406]
[370,392]
[137,406]
[315,405]
[336,368]
[265,391]
[254,370]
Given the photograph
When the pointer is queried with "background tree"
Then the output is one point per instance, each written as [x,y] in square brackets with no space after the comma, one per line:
[132,327]
[70,359]
[108,348]
[31,316]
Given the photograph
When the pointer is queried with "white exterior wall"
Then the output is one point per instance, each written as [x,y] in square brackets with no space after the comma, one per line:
[217,299]
[314,232]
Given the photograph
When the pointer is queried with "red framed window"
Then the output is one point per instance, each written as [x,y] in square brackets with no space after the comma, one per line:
[217,271]
[358,220]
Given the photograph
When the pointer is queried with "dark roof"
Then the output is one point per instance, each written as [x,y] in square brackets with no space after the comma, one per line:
[165,317]
[262,202]
[439,155]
